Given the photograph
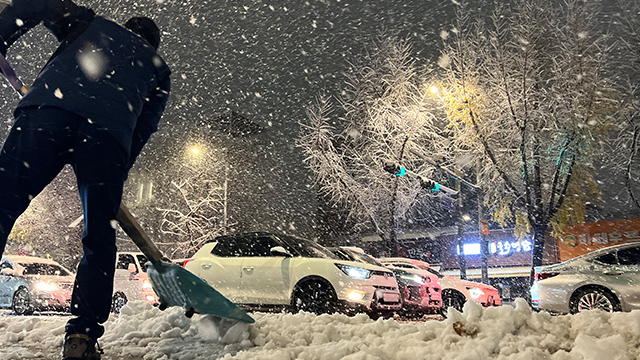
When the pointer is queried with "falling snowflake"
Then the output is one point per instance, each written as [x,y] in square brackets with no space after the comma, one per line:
[93,62]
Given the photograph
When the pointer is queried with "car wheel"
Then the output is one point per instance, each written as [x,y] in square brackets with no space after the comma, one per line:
[451,299]
[594,299]
[21,303]
[119,300]
[314,297]
[385,314]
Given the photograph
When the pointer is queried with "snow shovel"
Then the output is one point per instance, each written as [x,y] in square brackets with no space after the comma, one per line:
[174,285]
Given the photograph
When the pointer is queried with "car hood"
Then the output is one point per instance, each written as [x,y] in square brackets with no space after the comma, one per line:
[434,278]
[354,264]
[469,284]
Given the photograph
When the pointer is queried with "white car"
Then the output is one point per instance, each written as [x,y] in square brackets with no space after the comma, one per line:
[30,283]
[607,279]
[130,281]
[455,292]
[264,270]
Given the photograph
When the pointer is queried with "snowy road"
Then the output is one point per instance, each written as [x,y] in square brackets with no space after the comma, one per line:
[144,332]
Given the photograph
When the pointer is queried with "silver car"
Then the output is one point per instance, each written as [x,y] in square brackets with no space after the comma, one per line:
[607,279]
[30,283]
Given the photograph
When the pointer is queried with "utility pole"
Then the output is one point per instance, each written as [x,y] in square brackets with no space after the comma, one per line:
[225,190]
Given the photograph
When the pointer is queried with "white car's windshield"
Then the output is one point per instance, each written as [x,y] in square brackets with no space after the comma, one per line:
[307,248]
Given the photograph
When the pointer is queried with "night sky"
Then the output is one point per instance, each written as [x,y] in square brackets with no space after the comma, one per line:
[266,60]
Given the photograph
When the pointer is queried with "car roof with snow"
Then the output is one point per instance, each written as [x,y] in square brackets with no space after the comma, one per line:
[29,259]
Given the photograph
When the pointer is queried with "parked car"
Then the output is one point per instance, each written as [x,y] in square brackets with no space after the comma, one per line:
[420,290]
[455,292]
[607,279]
[264,270]
[130,281]
[29,284]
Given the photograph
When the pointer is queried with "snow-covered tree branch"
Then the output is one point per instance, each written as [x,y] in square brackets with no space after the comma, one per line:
[197,213]
[386,117]
[525,94]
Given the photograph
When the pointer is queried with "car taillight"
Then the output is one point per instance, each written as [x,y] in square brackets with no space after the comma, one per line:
[542,276]
[186,262]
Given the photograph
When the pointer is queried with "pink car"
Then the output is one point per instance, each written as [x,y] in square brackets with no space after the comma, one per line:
[455,292]
[420,290]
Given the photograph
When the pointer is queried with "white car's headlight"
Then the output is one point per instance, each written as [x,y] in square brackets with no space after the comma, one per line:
[354,271]
[475,292]
[45,286]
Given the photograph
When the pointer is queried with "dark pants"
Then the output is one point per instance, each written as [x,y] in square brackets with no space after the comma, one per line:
[40,143]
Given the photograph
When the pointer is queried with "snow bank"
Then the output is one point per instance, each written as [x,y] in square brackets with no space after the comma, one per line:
[144,332]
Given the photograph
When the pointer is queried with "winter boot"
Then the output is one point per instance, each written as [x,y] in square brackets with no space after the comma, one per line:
[80,347]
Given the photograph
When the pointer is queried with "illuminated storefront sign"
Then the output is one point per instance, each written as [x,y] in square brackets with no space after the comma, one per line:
[502,248]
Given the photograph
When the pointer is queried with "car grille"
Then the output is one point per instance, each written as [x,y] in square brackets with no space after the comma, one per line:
[390,288]
[381,273]
[414,293]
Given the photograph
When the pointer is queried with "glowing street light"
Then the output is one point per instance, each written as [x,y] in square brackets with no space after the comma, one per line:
[434,89]
[195,151]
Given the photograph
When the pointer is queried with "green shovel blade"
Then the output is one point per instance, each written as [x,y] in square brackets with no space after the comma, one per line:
[177,286]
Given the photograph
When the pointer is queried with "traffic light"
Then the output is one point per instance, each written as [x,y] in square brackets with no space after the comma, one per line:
[394,168]
[429,184]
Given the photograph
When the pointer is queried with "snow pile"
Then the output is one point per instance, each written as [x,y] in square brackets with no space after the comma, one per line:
[144,332]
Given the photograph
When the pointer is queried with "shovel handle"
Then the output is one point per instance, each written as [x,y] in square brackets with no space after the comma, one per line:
[131,227]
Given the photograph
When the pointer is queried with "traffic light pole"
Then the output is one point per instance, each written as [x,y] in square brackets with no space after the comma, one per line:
[484,243]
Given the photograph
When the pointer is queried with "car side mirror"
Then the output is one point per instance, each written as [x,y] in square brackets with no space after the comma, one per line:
[7,272]
[280,251]
[132,268]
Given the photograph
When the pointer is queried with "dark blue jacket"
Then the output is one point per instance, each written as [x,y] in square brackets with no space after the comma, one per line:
[107,74]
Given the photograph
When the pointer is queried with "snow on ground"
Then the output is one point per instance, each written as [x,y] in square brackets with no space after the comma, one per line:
[144,332]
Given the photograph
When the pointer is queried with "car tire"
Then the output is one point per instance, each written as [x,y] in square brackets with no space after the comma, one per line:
[593,298]
[119,301]
[21,303]
[314,297]
[385,314]
[451,299]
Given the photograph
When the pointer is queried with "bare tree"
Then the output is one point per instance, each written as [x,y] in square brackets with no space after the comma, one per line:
[628,142]
[197,213]
[46,226]
[526,96]
[387,118]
